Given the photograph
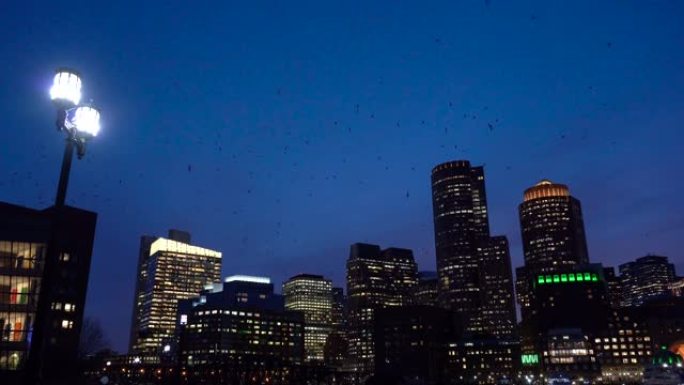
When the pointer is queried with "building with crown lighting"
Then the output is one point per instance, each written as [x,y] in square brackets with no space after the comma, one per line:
[169,270]
[553,234]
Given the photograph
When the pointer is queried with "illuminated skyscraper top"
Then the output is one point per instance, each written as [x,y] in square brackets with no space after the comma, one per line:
[552,228]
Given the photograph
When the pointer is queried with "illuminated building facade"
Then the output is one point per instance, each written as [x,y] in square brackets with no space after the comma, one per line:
[25,235]
[646,278]
[426,293]
[169,270]
[625,348]
[238,331]
[466,253]
[375,279]
[570,352]
[552,234]
[483,361]
[311,295]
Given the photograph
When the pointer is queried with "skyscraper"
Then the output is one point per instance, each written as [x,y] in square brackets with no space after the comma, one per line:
[496,278]
[311,295]
[375,279]
[552,234]
[461,220]
[169,270]
[464,246]
[646,278]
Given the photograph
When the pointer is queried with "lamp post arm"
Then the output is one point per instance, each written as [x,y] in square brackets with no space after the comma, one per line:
[64,174]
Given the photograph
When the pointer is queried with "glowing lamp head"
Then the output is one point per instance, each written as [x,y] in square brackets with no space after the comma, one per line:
[83,120]
[66,87]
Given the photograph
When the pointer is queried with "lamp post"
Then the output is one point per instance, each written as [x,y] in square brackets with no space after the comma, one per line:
[80,122]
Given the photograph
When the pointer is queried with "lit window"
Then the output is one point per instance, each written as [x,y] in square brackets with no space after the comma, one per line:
[66,324]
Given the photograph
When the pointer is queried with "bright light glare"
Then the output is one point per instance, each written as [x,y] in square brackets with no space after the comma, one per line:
[84,119]
[247,278]
[66,86]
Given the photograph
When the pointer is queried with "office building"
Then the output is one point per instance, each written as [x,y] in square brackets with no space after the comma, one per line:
[238,331]
[426,293]
[460,220]
[553,234]
[483,361]
[375,279]
[498,305]
[412,342]
[311,295]
[569,353]
[464,247]
[44,267]
[645,278]
[625,348]
[169,270]
[569,309]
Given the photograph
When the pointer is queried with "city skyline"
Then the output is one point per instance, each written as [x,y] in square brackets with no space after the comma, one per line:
[359,132]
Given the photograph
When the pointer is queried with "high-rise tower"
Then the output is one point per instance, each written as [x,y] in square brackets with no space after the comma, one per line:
[375,279]
[552,233]
[169,270]
[464,245]
[311,295]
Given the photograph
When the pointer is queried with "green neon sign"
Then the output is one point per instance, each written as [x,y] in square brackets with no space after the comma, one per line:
[530,359]
[566,278]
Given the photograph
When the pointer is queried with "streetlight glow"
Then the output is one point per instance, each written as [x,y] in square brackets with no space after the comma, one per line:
[66,87]
[84,119]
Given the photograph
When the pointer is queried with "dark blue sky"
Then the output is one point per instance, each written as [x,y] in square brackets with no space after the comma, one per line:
[308,127]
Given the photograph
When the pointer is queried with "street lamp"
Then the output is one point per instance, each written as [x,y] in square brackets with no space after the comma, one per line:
[80,122]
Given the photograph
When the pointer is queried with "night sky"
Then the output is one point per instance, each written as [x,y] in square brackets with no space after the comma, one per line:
[282,132]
